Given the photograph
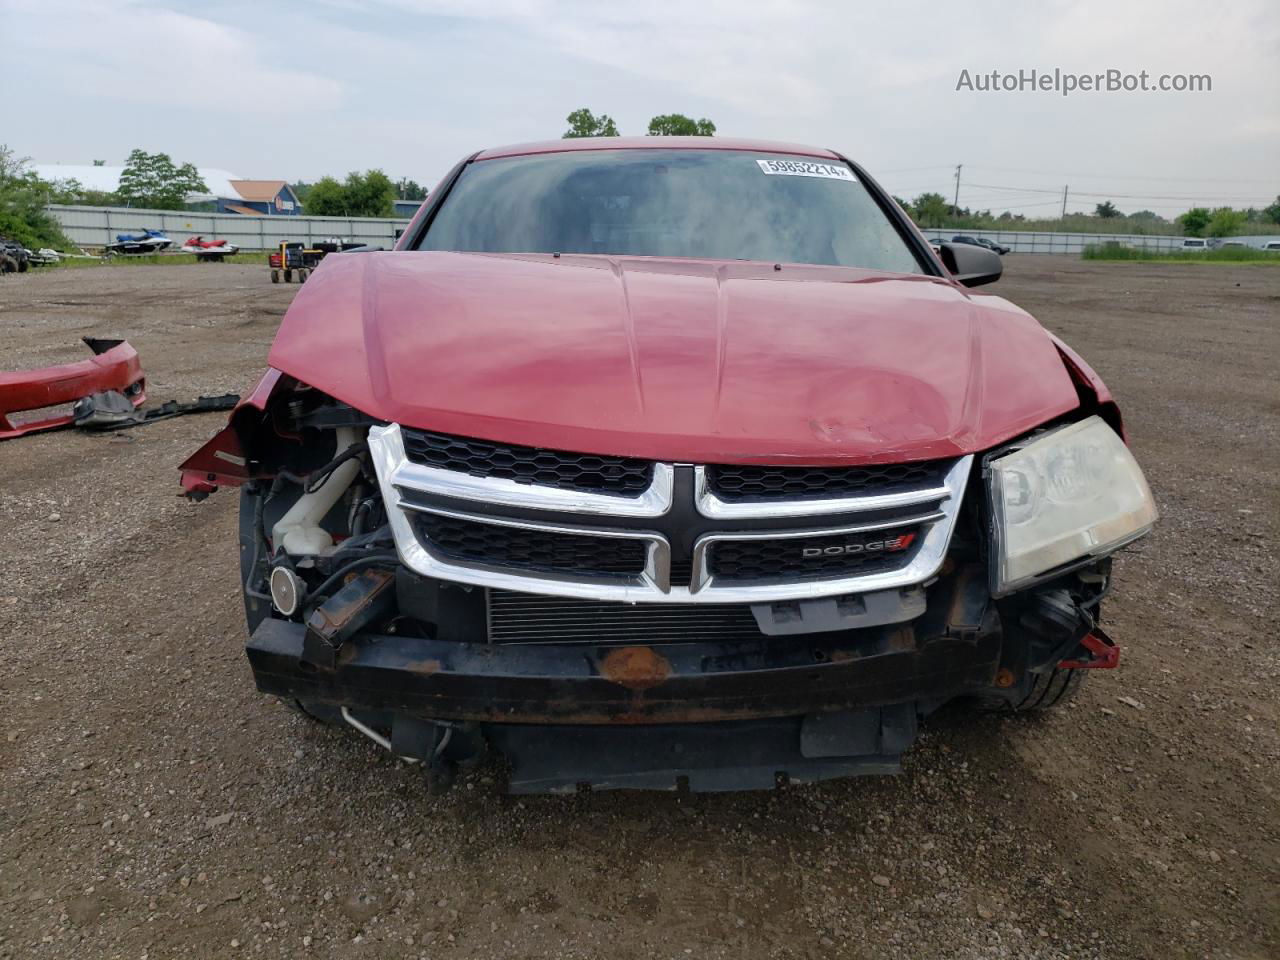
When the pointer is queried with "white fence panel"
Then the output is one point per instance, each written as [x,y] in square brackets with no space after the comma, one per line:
[1027,241]
[98,226]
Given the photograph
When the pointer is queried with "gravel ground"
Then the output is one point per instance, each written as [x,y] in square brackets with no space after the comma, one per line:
[153,805]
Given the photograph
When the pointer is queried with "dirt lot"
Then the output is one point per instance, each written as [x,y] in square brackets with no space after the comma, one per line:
[153,805]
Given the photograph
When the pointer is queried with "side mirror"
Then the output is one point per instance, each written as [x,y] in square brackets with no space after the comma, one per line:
[972,266]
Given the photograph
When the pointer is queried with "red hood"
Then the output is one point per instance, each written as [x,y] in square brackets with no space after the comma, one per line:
[676,360]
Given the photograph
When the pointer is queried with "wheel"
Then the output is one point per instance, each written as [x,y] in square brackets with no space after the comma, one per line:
[319,712]
[275,276]
[1047,691]
[302,275]
[8,264]
[288,276]
[23,265]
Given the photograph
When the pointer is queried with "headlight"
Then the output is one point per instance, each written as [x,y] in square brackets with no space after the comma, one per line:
[1071,495]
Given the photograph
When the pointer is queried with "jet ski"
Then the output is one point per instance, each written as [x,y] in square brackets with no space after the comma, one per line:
[134,244]
[209,249]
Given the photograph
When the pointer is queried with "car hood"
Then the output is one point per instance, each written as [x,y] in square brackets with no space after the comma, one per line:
[677,360]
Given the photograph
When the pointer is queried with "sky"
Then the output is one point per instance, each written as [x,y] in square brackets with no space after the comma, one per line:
[297,90]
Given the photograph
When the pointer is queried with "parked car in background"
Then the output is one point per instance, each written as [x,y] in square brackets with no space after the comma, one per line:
[1271,245]
[14,257]
[982,242]
[654,463]
[1195,243]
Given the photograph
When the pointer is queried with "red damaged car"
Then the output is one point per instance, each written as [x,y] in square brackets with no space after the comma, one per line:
[669,463]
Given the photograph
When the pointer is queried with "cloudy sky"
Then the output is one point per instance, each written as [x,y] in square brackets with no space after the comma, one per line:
[300,89]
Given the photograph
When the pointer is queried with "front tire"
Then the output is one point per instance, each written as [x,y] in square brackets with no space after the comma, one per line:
[315,711]
[1048,691]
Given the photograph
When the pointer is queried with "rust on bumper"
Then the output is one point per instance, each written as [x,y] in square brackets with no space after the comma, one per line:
[41,399]
[591,685]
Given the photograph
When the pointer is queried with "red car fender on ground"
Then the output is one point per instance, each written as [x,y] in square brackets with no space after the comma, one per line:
[40,399]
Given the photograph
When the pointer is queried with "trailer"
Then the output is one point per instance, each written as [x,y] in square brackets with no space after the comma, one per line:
[295,257]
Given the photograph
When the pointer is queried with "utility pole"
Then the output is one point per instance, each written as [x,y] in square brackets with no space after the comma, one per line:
[955,207]
[1064,202]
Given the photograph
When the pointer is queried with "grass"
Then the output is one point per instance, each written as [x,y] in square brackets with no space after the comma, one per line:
[160,259]
[1114,251]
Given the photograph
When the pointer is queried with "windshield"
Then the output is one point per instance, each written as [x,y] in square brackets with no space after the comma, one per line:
[712,204]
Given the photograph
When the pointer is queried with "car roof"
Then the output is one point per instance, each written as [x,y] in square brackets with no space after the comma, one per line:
[575,144]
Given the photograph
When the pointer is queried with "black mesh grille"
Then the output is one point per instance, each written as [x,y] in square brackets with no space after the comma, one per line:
[739,483]
[796,559]
[528,618]
[681,571]
[534,550]
[576,471]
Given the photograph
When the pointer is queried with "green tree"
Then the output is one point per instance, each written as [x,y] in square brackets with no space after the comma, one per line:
[678,125]
[931,209]
[1271,213]
[1225,222]
[1106,210]
[154,181]
[407,189]
[326,198]
[584,123]
[24,201]
[74,192]
[369,194]
[1194,221]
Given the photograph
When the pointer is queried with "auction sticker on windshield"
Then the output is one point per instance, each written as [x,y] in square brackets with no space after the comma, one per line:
[806,168]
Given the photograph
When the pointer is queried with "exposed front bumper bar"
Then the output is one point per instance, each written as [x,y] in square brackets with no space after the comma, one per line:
[664,684]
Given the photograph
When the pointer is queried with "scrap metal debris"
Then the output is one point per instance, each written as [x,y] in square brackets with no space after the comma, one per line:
[112,410]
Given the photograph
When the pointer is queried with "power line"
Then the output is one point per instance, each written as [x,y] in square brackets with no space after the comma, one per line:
[1186,197]
[936,166]
[1204,196]
[996,186]
[1012,206]
[1123,176]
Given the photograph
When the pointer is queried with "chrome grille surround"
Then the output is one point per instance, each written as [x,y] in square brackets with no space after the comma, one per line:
[933,509]
[709,505]
[653,502]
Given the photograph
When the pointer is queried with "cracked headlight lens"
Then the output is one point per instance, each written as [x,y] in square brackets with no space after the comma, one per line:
[1072,495]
